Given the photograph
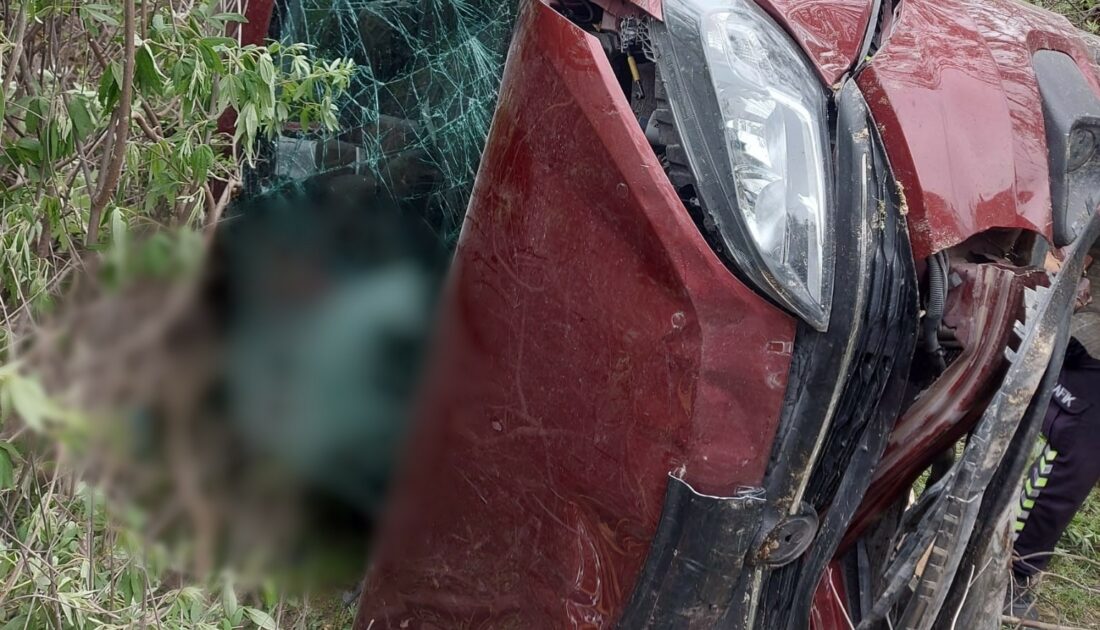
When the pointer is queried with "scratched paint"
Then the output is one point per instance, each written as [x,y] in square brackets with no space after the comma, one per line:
[593,344]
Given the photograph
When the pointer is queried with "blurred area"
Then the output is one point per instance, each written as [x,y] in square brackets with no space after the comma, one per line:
[254,410]
[238,395]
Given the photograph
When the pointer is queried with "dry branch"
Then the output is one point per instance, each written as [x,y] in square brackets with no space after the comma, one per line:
[113,171]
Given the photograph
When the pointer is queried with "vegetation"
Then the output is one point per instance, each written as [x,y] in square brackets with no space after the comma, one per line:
[1084,14]
[1070,591]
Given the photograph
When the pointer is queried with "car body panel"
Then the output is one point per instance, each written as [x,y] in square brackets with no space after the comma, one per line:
[958,104]
[256,29]
[620,7]
[831,32]
[982,312]
[593,344]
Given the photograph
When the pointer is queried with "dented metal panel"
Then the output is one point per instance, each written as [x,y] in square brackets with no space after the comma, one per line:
[956,97]
[830,31]
[593,345]
[981,311]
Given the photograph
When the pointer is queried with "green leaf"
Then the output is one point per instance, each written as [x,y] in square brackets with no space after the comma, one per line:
[266,69]
[211,57]
[260,618]
[229,602]
[29,400]
[37,107]
[147,75]
[137,585]
[17,623]
[28,151]
[230,17]
[250,121]
[197,610]
[81,117]
[100,13]
[109,90]
[202,159]
[228,42]
[51,139]
[116,73]
[8,456]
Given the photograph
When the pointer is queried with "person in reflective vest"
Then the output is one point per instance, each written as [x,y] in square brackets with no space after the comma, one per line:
[1061,478]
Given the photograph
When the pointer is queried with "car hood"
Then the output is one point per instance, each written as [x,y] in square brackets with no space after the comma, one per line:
[957,101]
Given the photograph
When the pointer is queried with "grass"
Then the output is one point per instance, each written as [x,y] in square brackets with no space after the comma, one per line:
[1070,593]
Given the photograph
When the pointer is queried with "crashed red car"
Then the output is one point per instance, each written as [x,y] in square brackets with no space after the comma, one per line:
[733,274]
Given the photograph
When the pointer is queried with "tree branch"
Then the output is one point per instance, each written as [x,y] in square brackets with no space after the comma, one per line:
[110,176]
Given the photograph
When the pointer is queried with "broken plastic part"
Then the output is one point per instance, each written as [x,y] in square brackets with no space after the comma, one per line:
[1071,114]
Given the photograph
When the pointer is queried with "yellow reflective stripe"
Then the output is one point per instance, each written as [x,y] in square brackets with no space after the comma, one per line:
[1019,526]
[1041,482]
[1028,503]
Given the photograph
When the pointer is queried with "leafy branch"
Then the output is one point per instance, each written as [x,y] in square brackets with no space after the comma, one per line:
[111,126]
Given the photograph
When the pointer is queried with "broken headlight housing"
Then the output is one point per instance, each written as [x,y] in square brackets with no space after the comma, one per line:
[752,118]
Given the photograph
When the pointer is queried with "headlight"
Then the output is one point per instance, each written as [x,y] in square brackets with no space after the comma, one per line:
[752,115]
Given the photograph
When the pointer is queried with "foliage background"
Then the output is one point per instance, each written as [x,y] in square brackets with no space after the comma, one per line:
[116,167]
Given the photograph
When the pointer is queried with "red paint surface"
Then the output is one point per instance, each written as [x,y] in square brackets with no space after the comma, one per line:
[592,345]
[624,7]
[830,31]
[829,608]
[258,13]
[956,98]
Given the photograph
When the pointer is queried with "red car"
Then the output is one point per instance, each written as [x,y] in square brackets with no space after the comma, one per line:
[734,274]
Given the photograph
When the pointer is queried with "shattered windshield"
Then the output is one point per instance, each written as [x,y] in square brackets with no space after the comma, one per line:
[416,116]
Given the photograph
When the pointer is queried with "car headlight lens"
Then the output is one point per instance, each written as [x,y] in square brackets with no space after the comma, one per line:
[752,117]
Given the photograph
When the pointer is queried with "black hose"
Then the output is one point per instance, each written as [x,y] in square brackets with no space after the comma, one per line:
[937,303]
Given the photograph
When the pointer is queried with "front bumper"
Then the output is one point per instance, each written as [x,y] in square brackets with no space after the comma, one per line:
[733,561]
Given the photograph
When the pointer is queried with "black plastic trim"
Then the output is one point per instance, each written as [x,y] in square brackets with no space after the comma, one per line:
[872,381]
[696,562]
[1071,115]
[951,523]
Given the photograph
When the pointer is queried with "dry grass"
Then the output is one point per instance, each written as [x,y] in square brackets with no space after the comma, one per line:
[1070,593]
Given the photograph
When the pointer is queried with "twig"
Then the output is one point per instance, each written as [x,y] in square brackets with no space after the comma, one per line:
[1039,625]
[218,210]
[966,593]
[17,52]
